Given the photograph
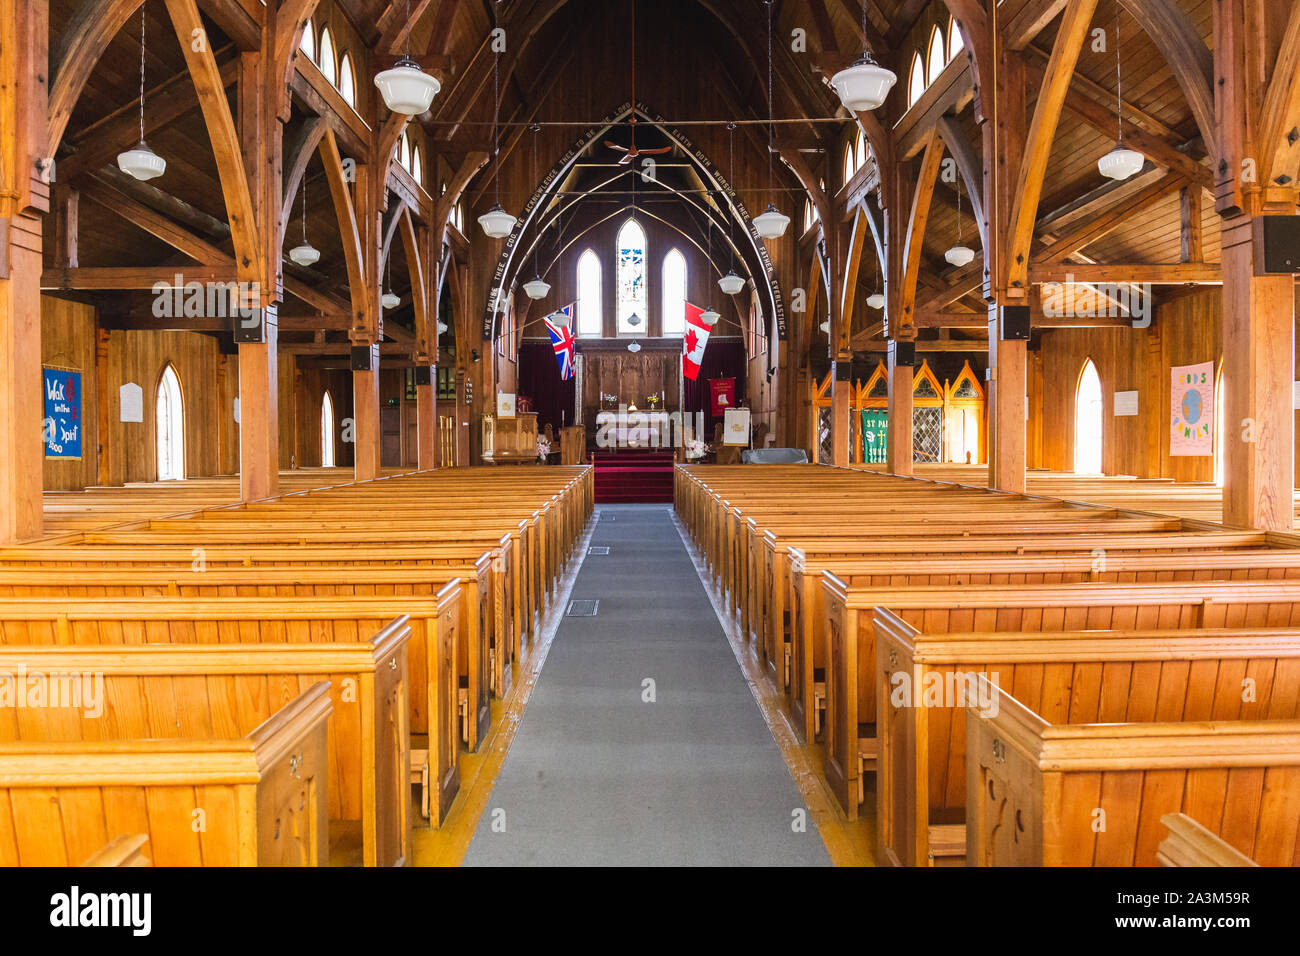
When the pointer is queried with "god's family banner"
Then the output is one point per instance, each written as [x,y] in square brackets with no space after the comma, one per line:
[62,425]
[1191,412]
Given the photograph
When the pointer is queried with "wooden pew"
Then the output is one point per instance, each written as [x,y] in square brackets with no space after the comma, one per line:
[1037,790]
[850,637]
[126,850]
[433,649]
[924,682]
[152,691]
[262,795]
[1190,844]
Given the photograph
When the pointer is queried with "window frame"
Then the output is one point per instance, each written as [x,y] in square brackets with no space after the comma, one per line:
[592,303]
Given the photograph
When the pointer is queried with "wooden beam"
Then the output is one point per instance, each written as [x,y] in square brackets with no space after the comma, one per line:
[927,177]
[237,21]
[1192,242]
[1198,273]
[154,223]
[306,145]
[349,234]
[1279,128]
[1089,231]
[135,277]
[1022,20]
[66,212]
[970,168]
[91,28]
[1038,143]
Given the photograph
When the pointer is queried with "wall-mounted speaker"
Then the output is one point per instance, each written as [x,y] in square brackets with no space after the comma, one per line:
[1280,237]
[1015,323]
[903,353]
[361,358]
[423,375]
[843,371]
[249,327]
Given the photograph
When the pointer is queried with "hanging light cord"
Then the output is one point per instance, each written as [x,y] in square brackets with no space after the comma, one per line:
[771,111]
[303,190]
[1119,81]
[142,6]
[496,115]
[731,171]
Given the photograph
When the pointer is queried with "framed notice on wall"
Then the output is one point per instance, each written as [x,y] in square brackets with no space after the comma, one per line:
[62,425]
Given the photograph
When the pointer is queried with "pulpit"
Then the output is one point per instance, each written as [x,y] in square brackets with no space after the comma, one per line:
[510,440]
[573,445]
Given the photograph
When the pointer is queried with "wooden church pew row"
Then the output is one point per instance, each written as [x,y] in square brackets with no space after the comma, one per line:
[441,722]
[851,705]
[794,642]
[186,691]
[125,850]
[1190,844]
[925,681]
[484,611]
[261,798]
[1039,793]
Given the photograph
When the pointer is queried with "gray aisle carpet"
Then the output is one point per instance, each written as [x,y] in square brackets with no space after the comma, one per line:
[598,776]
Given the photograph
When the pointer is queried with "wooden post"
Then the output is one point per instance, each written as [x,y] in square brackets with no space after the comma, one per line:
[1008,408]
[426,415]
[902,362]
[259,418]
[1258,370]
[841,402]
[365,413]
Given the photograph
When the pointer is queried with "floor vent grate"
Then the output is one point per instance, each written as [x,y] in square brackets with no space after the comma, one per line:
[583,608]
[598,550]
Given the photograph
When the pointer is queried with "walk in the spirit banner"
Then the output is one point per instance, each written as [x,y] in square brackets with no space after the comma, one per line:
[1191,410]
[62,425]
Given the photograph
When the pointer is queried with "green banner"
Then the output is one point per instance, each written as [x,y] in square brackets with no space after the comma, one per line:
[875,435]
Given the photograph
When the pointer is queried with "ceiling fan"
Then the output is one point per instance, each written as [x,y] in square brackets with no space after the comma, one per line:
[631,154]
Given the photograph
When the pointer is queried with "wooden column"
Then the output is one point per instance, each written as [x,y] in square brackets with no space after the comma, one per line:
[902,363]
[259,415]
[426,414]
[841,406]
[1008,405]
[365,412]
[461,416]
[1258,371]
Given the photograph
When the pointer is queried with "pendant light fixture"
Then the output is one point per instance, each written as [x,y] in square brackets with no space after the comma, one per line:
[773,223]
[305,254]
[496,222]
[1121,162]
[826,327]
[141,161]
[960,254]
[731,284]
[877,299]
[388,300]
[709,317]
[536,288]
[405,87]
[864,84]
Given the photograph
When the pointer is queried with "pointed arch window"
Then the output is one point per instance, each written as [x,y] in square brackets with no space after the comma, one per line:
[327,65]
[347,81]
[169,409]
[630,278]
[1087,422]
[955,43]
[916,82]
[863,149]
[937,55]
[404,152]
[417,168]
[850,163]
[809,215]
[327,431]
[308,42]
[674,294]
[590,320]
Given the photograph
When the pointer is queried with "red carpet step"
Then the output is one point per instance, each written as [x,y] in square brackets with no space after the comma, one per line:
[640,477]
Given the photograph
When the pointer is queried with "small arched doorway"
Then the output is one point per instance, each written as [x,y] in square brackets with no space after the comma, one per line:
[170,415]
[1087,422]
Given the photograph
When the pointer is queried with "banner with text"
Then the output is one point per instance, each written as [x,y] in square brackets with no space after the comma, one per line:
[62,425]
[1191,410]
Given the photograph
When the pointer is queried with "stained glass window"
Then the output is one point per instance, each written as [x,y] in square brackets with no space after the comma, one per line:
[631,278]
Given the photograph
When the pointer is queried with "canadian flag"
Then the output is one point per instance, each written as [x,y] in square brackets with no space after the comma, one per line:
[697,336]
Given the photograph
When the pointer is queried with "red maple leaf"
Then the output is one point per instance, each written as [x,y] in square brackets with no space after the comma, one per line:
[691,341]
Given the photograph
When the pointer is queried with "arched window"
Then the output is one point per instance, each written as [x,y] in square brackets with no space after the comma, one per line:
[916,84]
[417,168]
[809,215]
[630,276]
[327,432]
[404,152]
[955,43]
[850,163]
[863,149]
[326,63]
[1220,437]
[308,42]
[347,81]
[937,53]
[170,413]
[1087,422]
[589,315]
[674,293]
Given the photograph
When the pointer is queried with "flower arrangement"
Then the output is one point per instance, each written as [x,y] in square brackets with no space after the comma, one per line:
[696,449]
[543,449]
[652,401]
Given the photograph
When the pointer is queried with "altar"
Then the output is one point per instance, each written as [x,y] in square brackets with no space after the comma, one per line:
[626,428]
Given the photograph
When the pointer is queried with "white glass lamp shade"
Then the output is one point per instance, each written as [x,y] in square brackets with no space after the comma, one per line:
[1121,162]
[560,319]
[864,85]
[305,255]
[537,288]
[709,317]
[406,88]
[960,255]
[772,224]
[731,284]
[141,162]
[826,326]
[389,301]
[442,327]
[497,223]
[634,347]
[875,301]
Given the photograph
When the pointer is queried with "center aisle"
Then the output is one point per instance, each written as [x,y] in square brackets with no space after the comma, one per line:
[642,743]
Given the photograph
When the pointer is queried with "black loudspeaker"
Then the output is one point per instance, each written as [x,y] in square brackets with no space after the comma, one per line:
[249,327]
[904,353]
[1280,237]
[361,358]
[843,371]
[423,375]
[1015,323]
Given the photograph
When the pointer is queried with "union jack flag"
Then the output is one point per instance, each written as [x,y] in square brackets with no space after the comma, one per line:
[562,339]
